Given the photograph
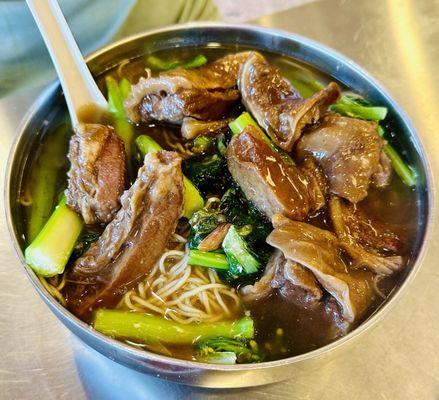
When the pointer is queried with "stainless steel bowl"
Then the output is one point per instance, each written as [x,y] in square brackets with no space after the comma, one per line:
[50,103]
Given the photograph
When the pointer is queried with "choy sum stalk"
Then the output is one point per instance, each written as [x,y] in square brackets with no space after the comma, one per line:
[49,252]
[208,259]
[44,176]
[159,64]
[150,328]
[399,165]
[117,93]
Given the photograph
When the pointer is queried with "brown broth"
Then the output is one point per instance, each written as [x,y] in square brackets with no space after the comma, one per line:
[282,329]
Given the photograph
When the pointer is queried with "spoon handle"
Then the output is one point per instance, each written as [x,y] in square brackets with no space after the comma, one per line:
[83,97]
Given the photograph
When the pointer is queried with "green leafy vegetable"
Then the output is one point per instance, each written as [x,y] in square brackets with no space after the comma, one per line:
[245,216]
[208,259]
[242,261]
[202,223]
[147,328]
[49,252]
[223,350]
[242,242]
[158,64]
[208,173]
[356,107]
[192,198]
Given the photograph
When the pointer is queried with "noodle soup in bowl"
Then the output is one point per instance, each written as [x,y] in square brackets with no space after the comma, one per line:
[236,341]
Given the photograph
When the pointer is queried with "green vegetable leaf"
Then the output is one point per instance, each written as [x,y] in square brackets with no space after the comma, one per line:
[242,261]
[222,350]
[209,173]
[240,212]
[202,223]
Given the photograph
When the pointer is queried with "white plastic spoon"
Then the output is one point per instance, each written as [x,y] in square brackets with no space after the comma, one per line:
[84,99]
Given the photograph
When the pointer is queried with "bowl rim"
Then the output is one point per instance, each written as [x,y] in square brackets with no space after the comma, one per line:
[141,354]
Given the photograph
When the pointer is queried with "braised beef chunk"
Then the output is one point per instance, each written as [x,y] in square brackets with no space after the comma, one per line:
[276,105]
[367,241]
[191,127]
[315,181]
[318,251]
[350,152]
[294,282]
[96,178]
[271,185]
[204,93]
[134,240]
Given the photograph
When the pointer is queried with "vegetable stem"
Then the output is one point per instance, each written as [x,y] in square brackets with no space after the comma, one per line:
[44,176]
[403,170]
[196,62]
[400,167]
[150,328]
[192,198]
[117,93]
[240,123]
[352,107]
[162,65]
[147,144]
[48,254]
[202,143]
[208,259]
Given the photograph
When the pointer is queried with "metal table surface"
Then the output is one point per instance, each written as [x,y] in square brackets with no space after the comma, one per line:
[397,41]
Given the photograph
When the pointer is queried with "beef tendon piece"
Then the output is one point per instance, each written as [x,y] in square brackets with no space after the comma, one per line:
[351,154]
[191,127]
[271,185]
[318,250]
[134,240]
[276,105]
[96,178]
[204,93]
[294,282]
[365,240]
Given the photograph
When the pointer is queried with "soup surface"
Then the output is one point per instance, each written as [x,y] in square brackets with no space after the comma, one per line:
[328,280]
